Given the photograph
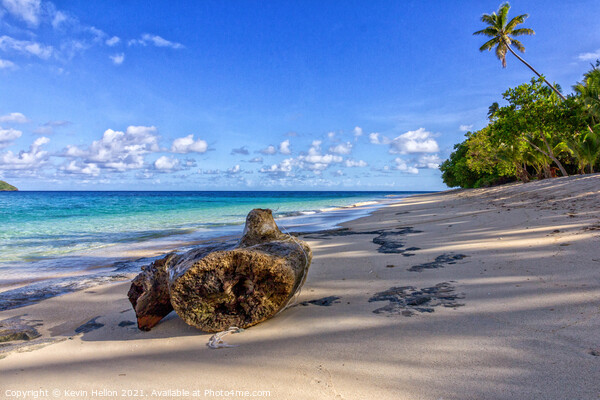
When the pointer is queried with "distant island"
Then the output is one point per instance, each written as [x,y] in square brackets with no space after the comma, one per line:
[5,187]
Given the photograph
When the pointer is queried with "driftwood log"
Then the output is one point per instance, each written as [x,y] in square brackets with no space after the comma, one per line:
[219,287]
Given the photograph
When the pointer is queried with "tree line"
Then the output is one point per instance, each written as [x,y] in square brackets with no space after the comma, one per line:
[539,133]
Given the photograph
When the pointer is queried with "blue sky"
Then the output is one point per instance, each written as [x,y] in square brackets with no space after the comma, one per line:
[259,95]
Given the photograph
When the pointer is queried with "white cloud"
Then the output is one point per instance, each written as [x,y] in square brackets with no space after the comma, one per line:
[5,64]
[118,150]
[418,141]
[165,163]
[15,118]
[353,163]
[59,19]
[330,135]
[155,40]
[234,170]
[112,41]
[258,160]
[284,147]
[118,58]
[189,145]
[465,128]
[75,167]
[283,168]
[342,148]
[26,10]
[377,138]
[270,150]
[316,161]
[402,166]
[358,131]
[7,136]
[431,161]
[593,56]
[32,159]
[26,47]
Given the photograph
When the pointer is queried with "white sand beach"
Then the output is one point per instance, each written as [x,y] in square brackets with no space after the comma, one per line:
[510,310]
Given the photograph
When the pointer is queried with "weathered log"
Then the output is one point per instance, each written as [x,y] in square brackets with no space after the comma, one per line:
[243,286]
[149,292]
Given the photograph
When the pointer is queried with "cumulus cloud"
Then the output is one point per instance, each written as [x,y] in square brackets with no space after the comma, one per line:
[258,160]
[165,163]
[234,170]
[112,41]
[377,138]
[331,135]
[119,151]
[418,141]
[25,47]
[284,147]
[59,19]
[465,128]
[155,40]
[25,10]
[242,151]
[316,161]
[7,136]
[342,148]
[592,56]
[358,131]
[401,165]
[189,145]
[31,159]
[282,169]
[118,58]
[270,150]
[431,161]
[75,167]
[353,163]
[14,118]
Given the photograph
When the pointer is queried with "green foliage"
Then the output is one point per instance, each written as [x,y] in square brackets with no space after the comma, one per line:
[5,187]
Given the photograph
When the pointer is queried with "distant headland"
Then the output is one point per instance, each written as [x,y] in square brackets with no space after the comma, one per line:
[5,187]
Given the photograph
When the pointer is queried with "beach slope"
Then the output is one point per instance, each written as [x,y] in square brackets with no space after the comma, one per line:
[472,294]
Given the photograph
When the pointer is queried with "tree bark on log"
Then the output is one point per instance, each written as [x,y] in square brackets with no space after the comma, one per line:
[243,286]
[216,287]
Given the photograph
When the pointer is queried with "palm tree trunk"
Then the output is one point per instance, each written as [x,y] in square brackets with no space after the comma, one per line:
[535,72]
[551,156]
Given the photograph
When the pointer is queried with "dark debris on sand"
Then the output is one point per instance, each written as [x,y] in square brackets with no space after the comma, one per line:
[408,300]
[89,326]
[389,241]
[440,262]
[324,302]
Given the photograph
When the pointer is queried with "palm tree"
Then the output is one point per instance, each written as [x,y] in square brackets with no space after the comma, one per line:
[586,149]
[502,37]
[589,92]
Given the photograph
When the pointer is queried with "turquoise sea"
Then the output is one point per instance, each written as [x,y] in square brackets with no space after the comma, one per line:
[56,242]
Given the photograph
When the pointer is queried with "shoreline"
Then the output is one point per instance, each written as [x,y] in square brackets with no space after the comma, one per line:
[459,294]
[129,261]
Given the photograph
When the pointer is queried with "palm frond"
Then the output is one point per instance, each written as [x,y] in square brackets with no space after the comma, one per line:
[519,19]
[503,13]
[489,44]
[522,31]
[518,45]
[489,18]
[489,31]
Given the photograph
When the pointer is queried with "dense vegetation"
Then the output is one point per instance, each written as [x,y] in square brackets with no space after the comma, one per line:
[539,133]
[5,187]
